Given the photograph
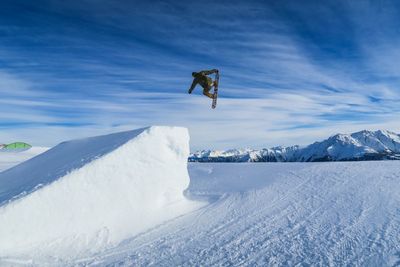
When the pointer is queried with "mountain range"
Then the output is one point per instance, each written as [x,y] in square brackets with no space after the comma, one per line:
[363,145]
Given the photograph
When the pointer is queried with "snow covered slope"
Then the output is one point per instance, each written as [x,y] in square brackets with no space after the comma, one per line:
[364,145]
[280,214]
[9,159]
[84,195]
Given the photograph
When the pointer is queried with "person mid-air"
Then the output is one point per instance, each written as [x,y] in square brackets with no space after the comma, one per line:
[206,82]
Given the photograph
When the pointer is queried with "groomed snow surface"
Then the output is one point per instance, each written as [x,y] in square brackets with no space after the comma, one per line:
[240,214]
[278,214]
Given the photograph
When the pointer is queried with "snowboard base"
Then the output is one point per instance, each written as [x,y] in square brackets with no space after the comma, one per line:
[216,83]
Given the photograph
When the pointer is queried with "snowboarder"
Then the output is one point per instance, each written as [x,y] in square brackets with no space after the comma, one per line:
[206,82]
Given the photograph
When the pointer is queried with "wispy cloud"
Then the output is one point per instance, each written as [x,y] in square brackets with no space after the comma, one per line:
[291,72]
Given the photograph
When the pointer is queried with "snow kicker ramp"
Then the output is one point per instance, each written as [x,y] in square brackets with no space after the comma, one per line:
[85,195]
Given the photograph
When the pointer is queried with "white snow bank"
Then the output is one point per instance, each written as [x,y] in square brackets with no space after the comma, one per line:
[85,195]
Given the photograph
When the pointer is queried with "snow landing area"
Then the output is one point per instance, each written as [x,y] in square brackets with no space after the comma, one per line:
[86,195]
[277,214]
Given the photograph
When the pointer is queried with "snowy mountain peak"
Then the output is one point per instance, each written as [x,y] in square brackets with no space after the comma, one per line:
[362,145]
[342,139]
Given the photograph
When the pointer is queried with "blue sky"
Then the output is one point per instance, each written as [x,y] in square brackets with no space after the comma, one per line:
[291,71]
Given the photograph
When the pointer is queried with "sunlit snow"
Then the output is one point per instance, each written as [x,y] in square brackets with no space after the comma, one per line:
[134,204]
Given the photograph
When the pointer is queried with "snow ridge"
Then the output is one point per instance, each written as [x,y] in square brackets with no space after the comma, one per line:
[363,145]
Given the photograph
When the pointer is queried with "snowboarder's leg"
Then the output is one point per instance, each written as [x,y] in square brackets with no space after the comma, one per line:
[206,92]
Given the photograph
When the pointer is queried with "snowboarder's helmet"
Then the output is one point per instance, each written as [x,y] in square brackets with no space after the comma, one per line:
[194,73]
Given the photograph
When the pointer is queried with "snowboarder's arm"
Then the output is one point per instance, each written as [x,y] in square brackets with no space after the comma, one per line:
[208,72]
[194,83]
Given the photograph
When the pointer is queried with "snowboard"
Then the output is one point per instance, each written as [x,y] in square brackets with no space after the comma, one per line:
[216,83]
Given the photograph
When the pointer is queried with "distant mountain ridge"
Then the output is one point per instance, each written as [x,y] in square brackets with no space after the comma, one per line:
[363,145]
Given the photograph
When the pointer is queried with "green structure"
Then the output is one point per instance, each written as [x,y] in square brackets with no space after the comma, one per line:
[17,146]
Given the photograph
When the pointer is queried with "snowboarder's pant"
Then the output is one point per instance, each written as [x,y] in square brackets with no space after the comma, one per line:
[206,92]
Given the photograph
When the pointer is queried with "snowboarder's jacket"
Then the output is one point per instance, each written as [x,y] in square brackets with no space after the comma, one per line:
[202,79]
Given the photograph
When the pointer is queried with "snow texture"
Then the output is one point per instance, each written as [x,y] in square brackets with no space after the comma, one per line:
[264,214]
[277,214]
[363,145]
[85,195]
